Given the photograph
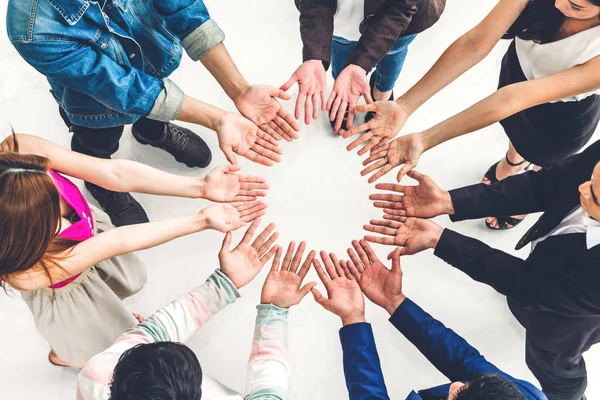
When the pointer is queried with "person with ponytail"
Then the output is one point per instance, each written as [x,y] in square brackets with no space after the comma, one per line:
[547,100]
[71,266]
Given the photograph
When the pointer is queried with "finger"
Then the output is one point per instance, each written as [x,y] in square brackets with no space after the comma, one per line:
[329,267]
[249,184]
[244,197]
[320,272]
[350,120]
[391,186]
[252,179]
[407,167]
[375,156]
[360,140]
[260,239]
[334,109]
[270,138]
[266,257]
[354,271]
[367,96]
[387,197]
[417,176]
[280,94]
[254,213]
[267,130]
[275,265]
[356,261]
[307,110]
[370,253]
[361,254]
[380,229]
[228,151]
[273,125]
[388,224]
[301,98]
[306,288]
[373,167]
[307,263]
[383,146]
[386,168]
[315,106]
[393,206]
[250,231]
[372,143]
[394,218]
[323,101]
[288,256]
[380,240]
[290,82]
[395,212]
[329,104]
[336,264]
[297,257]
[396,260]
[346,271]
[227,242]
[257,158]
[341,113]
[288,123]
[229,169]
[246,208]
[266,245]
[266,153]
[367,108]
[323,301]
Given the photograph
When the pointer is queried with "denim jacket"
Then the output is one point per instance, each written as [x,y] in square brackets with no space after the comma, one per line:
[107,61]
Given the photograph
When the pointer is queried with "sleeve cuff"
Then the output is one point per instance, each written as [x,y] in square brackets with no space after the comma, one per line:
[272,312]
[202,39]
[448,246]
[167,106]
[350,333]
[404,313]
[460,199]
[226,287]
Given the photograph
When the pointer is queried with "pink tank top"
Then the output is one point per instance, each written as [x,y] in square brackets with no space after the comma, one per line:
[83,228]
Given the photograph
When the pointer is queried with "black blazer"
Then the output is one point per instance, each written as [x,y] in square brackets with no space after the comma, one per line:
[555,292]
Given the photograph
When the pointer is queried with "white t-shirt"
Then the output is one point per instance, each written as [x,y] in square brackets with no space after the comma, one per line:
[347,19]
[538,60]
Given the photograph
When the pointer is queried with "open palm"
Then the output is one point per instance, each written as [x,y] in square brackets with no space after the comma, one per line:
[223,185]
[404,150]
[413,234]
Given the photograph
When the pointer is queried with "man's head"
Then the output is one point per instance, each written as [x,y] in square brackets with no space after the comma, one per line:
[589,192]
[485,387]
[157,371]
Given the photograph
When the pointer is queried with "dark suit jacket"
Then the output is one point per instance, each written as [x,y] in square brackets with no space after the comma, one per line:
[385,21]
[446,350]
[555,292]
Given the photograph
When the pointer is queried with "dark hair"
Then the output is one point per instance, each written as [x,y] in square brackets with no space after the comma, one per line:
[539,21]
[30,215]
[157,371]
[490,387]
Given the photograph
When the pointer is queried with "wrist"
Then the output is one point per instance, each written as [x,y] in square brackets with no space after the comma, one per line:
[447,203]
[199,187]
[394,303]
[200,221]
[407,105]
[434,236]
[353,318]
[357,68]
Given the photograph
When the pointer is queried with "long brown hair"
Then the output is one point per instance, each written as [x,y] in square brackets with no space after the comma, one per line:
[30,216]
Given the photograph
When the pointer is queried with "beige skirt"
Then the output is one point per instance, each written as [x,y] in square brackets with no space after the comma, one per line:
[87,316]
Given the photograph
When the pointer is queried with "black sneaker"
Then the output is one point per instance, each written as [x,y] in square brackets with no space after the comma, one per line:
[371,114]
[122,208]
[181,143]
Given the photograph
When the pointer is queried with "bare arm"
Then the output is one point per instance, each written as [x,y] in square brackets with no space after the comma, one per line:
[514,98]
[464,53]
[221,66]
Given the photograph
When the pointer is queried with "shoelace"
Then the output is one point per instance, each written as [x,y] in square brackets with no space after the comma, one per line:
[175,137]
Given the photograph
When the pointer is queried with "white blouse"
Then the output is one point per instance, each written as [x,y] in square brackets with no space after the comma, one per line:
[347,19]
[539,60]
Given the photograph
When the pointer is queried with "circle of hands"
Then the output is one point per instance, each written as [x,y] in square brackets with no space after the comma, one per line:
[256,135]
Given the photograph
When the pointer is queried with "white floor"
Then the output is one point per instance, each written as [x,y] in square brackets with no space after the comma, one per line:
[317,194]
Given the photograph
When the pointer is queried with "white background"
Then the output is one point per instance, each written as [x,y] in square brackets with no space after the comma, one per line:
[316,194]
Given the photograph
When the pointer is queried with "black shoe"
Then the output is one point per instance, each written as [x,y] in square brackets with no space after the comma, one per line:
[122,208]
[371,114]
[181,143]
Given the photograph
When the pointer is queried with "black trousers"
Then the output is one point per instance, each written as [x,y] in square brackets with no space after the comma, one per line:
[561,377]
[104,142]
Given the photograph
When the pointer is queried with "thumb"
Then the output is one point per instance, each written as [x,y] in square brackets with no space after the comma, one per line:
[318,297]
[404,170]
[419,177]
[228,151]
[366,107]
[396,259]
[280,94]
[227,242]
[286,86]
[307,288]
[232,168]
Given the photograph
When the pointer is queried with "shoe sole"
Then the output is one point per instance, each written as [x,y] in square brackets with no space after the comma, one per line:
[140,140]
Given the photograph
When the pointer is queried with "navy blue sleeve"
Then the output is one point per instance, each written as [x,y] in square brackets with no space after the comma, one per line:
[445,349]
[362,369]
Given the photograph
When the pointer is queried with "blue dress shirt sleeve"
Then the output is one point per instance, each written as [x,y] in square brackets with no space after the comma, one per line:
[362,369]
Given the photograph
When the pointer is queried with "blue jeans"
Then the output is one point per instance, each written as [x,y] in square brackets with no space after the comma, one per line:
[388,69]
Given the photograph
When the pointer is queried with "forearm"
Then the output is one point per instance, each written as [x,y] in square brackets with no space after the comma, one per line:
[488,111]
[200,113]
[267,376]
[131,176]
[461,56]
[221,66]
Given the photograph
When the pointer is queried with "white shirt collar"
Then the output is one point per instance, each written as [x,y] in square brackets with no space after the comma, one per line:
[593,231]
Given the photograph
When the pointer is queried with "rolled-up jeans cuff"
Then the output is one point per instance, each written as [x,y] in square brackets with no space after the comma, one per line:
[202,39]
[167,106]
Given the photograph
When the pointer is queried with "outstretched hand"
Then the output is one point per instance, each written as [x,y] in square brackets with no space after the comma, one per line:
[259,104]
[282,286]
[246,260]
[344,297]
[381,285]
[349,86]
[228,217]
[425,200]
[404,150]
[241,136]
[412,235]
[312,81]
[222,184]
[387,122]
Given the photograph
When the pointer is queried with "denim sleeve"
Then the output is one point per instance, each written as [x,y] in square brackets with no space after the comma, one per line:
[123,89]
[190,21]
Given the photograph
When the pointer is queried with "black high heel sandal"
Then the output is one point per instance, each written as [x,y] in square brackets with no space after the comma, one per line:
[504,221]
